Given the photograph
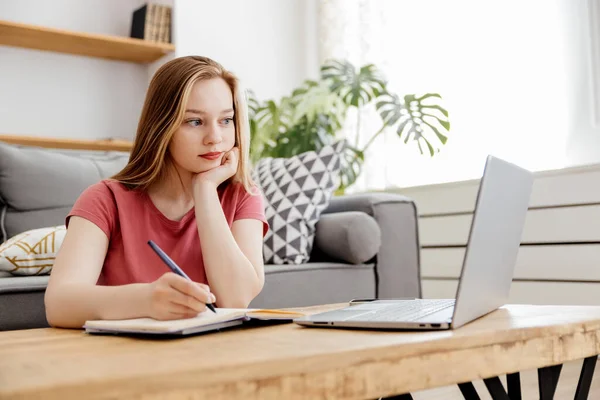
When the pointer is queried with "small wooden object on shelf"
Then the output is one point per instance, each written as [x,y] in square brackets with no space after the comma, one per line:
[86,44]
[69,144]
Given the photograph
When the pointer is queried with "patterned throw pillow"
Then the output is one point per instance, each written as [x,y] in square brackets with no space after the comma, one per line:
[32,252]
[296,190]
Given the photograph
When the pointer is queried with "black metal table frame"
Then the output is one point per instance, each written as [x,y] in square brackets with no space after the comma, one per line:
[547,383]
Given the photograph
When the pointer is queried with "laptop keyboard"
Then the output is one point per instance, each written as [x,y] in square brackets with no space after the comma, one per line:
[409,311]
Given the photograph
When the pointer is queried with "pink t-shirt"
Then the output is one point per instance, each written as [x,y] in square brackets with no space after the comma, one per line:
[130,219]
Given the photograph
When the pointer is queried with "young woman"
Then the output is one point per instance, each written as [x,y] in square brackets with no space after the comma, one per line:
[187,187]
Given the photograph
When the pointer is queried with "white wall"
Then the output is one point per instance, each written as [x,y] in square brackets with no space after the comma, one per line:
[270,44]
[60,95]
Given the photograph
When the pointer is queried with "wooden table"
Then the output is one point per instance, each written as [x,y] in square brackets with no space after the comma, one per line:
[292,362]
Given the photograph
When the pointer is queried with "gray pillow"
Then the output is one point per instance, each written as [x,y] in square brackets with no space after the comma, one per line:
[296,191]
[39,186]
[351,236]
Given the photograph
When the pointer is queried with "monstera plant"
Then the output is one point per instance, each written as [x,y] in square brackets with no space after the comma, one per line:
[313,114]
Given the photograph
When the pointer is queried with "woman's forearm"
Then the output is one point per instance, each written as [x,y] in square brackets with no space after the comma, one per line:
[231,276]
[69,305]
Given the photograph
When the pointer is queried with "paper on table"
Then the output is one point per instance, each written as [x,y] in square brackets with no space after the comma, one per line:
[152,325]
[203,319]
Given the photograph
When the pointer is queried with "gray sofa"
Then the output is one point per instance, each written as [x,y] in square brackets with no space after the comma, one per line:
[39,186]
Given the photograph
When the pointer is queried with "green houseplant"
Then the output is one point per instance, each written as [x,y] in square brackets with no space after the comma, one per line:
[313,114]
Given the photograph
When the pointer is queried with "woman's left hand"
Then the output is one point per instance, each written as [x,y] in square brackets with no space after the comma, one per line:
[214,177]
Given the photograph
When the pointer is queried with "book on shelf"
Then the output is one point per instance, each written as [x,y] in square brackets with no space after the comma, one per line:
[152,22]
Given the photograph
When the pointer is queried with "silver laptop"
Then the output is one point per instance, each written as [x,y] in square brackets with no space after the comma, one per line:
[487,270]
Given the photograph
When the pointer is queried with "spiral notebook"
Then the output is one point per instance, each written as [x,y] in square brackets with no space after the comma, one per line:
[206,321]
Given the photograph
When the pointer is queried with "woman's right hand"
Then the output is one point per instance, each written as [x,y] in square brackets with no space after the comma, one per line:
[174,297]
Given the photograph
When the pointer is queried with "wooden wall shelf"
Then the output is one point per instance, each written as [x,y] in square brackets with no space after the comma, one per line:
[86,44]
[70,144]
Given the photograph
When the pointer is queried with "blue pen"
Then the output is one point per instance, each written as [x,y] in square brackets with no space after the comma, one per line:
[174,267]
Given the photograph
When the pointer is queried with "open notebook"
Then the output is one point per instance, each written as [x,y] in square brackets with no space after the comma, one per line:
[205,322]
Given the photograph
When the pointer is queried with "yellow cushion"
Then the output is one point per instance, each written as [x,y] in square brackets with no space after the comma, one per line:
[32,252]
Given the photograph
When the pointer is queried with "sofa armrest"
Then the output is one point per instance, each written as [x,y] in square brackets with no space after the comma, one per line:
[398,261]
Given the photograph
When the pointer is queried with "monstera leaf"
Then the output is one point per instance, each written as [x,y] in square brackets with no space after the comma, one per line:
[267,122]
[304,135]
[414,119]
[356,88]
[306,120]
[314,99]
[253,108]
[253,103]
[351,166]
[314,113]
[258,137]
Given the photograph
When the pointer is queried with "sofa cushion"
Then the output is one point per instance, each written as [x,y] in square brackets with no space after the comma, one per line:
[315,283]
[339,278]
[24,284]
[296,190]
[22,310]
[22,297]
[352,236]
[39,186]
[32,252]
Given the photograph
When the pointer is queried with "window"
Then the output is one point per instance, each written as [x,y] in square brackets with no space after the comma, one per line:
[500,68]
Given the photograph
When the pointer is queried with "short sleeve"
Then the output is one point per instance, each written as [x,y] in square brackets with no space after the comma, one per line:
[251,206]
[97,205]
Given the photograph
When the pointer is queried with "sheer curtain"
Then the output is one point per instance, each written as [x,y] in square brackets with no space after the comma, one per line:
[499,67]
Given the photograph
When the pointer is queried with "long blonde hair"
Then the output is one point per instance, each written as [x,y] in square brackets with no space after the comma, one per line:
[163,113]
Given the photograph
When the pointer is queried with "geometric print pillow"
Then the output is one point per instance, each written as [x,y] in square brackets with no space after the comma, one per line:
[296,191]
[32,252]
